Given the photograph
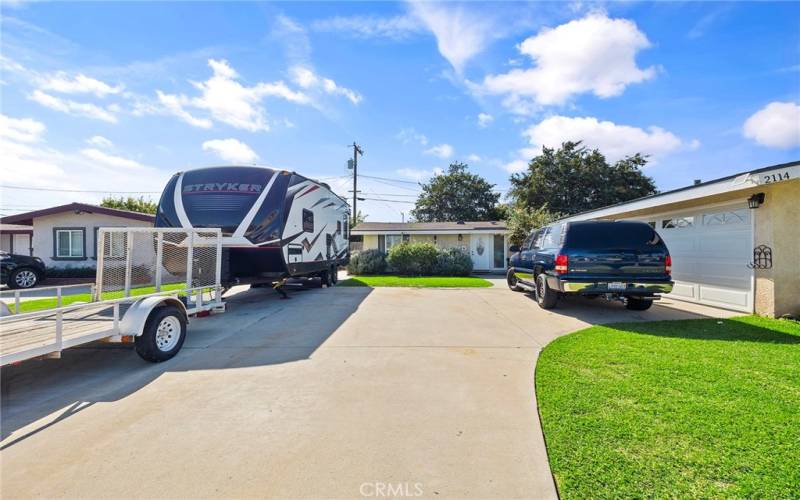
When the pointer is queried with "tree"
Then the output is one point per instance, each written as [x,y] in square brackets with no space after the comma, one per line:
[456,195]
[521,221]
[130,203]
[574,179]
[359,218]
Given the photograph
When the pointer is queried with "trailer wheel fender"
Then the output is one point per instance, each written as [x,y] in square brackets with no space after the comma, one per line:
[132,323]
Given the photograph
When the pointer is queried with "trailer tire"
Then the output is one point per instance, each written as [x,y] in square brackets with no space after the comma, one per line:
[163,335]
[334,275]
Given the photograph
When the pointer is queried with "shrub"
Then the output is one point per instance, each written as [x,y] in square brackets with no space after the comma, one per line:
[367,262]
[453,262]
[413,258]
[71,272]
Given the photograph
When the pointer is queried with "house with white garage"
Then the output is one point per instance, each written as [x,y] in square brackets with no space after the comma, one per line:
[486,242]
[734,241]
[66,235]
[16,238]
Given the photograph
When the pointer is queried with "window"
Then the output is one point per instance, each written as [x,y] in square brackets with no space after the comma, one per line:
[69,243]
[346,231]
[740,216]
[392,240]
[499,251]
[114,246]
[678,222]
[308,221]
[553,237]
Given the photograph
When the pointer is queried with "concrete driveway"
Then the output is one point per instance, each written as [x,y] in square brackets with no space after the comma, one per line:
[341,393]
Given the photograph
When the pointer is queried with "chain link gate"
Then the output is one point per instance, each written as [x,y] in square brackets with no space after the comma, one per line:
[139,261]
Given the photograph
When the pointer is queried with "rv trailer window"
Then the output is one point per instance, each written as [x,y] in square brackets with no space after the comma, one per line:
[308,221]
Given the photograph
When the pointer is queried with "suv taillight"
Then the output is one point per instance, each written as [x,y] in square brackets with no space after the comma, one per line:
[668,265]
[562,262]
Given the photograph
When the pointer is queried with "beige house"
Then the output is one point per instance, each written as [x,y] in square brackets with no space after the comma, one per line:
[66,235]
[485,242]
[734,241]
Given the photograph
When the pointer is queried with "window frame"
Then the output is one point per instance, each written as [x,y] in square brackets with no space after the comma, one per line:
[109,256]
[307,220]
[70,230]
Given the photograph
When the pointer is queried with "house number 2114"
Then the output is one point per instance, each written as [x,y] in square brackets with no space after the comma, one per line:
[780,176]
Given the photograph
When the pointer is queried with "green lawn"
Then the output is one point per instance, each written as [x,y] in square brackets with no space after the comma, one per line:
[418,281]
[51,303]
[697,408]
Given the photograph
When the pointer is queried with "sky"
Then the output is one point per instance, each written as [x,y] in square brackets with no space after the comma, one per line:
[105,98]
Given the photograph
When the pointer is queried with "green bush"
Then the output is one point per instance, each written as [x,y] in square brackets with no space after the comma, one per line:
[367,262]
[413,259]
[453,262]
[71,272]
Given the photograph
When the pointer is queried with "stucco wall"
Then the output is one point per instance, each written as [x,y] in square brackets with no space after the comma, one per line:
[777,225]
[43,235]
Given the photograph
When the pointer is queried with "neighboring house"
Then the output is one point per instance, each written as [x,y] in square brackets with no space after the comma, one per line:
[65,236]
[15,238]
[734,241]
[485,242]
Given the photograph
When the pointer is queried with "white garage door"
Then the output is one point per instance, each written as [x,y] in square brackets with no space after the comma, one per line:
[710,251]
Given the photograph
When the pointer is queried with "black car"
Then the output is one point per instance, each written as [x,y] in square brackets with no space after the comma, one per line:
[624,260]
[21,271]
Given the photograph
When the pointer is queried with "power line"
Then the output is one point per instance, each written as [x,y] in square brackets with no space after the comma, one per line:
[77,190]
[387,201]
[388,179]
[390,194]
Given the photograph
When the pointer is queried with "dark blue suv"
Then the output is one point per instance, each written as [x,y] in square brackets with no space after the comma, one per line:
[614,259]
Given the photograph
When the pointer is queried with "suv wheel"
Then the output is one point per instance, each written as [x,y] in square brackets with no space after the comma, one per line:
[546,297]
[635,304]
[23,277]
[511,279]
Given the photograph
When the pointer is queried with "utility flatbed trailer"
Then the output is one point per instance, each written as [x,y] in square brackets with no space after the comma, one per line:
[134,296]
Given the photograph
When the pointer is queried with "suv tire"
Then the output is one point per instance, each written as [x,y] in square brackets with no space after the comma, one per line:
[511,279]
[546,297]
[23,277]
[636,304]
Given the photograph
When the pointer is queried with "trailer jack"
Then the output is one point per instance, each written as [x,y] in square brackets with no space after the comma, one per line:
[278,287]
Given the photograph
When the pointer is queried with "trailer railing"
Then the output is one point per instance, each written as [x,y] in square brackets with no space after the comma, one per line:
[36,293]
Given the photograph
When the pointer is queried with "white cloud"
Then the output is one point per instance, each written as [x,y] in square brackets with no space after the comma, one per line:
[25,154]
[515,166]
[78,84]
[776,125]
[110,160]
[409,135]
[89,110]
[21,129]
[593,54]
[419,175]
[484,120]
[307,79]
[100,142]
[613,140]
[461,33]
[473,158]
[443,151]
[174,104]
[395,27]
[231,150]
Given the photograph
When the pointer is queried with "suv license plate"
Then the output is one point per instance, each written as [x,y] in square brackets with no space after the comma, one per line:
[616,286]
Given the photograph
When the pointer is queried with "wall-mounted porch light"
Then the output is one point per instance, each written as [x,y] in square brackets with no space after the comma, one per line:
[756,200]
[460,237]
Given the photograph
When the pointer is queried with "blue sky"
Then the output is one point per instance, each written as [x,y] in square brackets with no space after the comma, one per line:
[118,96]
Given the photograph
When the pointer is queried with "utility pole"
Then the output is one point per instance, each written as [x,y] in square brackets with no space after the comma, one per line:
[356,151]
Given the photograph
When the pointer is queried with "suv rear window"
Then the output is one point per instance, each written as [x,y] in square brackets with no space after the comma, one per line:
[611,235]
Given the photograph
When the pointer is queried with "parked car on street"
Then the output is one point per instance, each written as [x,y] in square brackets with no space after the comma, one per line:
[624,260]
[21,271]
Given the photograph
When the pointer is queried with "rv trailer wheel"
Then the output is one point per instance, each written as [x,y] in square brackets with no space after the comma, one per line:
[163,335]
[334,275]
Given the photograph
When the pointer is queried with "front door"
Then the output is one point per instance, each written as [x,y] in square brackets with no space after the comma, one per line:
[481,251]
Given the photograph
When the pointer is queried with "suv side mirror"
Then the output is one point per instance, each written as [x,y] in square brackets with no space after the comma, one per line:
[513,248]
